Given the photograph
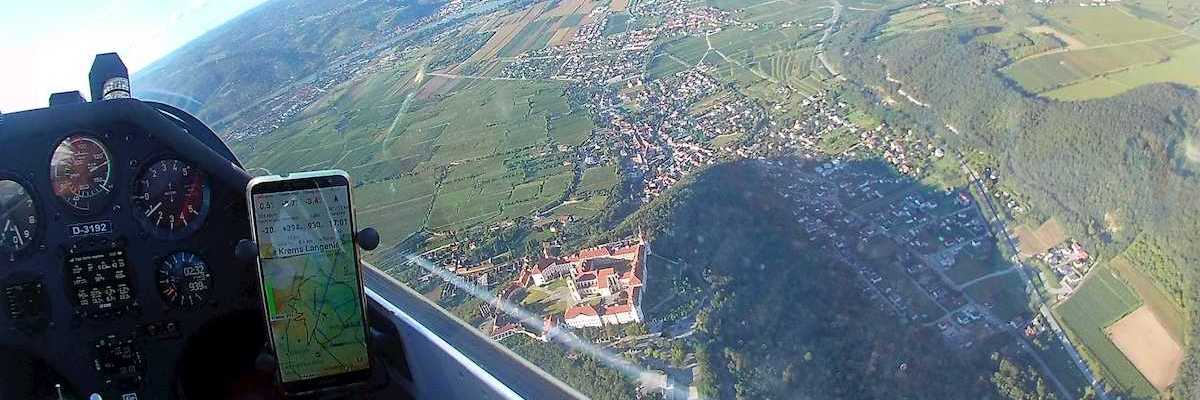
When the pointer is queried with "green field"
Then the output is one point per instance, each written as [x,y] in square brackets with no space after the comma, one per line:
[533,36]
[664,65]
[571,129]
[731,5]
[973,262]
[776,13]
[1106,25]
[419,165]
[1180,68]
[617,23]
[1048,72]
[765,57]
[598,178]
[689,49]
[916,20]
[1100,301]
[1005,294]
[1109,50]
[676,56]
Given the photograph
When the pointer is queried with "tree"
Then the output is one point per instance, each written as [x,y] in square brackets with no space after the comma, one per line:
[634,329]
[678,354]
[1014,384]
[609,331]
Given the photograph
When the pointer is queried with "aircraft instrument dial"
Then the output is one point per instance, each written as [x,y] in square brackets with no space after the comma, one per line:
[171,198]
[18,217]
[184,280]
[81,174]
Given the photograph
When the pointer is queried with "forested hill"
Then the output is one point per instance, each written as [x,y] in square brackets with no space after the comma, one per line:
[265,49]
[1119,171]
[785,319]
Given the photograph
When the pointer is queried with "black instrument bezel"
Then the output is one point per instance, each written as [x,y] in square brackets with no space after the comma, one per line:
[149,228]
[212,281]
[39,231]
[114,171]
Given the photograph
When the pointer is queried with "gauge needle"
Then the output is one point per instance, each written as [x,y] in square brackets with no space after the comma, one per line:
[7,224]
[153,209]
[98,166]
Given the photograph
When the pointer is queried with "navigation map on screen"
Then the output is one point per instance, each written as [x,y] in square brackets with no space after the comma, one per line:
[310,282]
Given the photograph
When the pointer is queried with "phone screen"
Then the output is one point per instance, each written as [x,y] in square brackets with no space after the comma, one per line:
[310,277]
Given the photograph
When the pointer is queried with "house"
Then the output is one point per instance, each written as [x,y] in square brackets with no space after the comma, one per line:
[606,272]
[549,268]
[582,316]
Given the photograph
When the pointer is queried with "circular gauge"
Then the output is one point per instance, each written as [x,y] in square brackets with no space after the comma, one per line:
[18,217]
[183,280]
[81,173]
[171,198]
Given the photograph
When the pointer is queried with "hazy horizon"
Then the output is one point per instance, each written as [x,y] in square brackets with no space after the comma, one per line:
[50,45]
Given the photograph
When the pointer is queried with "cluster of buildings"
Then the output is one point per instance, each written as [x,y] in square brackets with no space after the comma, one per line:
[605,283]
[607,280]
[817,117]
[852,209]
[903,149]
[680,16]
[665,128]
[589,56]
[1069,261]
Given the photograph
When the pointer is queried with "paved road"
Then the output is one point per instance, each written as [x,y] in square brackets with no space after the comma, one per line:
[523,378]
[498,78]
[1005,271]
[832,22]
[1002,231]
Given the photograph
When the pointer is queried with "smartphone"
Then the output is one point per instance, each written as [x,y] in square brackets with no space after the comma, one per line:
[311,280]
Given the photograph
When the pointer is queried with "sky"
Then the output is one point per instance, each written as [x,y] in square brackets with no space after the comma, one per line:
[47,46]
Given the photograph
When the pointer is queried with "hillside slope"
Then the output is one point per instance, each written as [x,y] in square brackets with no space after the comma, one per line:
[1115,170]
[266,49]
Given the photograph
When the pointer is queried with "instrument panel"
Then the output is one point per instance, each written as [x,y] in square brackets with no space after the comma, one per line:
[114,242]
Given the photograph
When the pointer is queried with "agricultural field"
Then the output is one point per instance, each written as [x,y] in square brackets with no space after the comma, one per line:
[1179,68]
[1168,313]
[418,165]
[689,50]
[1146,343]
[617,23]
[1044,73]
[916,20]
[777,13]
[1106,25]
[776,47]
[1034,241]
[1100,301]
[664,65]
[1107,51]
[533,28]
